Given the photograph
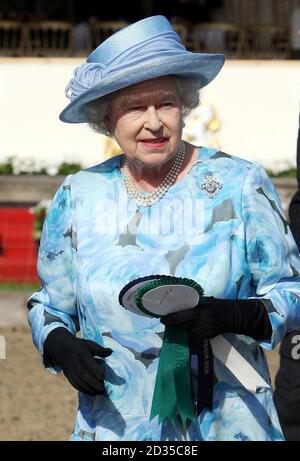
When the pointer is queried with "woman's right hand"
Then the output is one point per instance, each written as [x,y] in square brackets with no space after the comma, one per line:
[76,358]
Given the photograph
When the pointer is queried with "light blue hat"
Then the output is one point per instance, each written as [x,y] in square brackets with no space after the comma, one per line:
[147,49]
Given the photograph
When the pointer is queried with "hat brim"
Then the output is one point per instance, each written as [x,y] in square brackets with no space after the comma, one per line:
[203,67]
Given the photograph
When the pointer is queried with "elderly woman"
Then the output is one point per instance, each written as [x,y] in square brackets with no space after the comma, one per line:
[162,207]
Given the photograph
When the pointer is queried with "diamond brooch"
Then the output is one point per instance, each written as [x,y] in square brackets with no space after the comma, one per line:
[211,186]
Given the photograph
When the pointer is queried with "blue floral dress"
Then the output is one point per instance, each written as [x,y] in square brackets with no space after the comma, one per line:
[231,237]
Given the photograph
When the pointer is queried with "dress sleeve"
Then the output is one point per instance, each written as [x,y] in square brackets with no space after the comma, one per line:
[54,304]
[271,254]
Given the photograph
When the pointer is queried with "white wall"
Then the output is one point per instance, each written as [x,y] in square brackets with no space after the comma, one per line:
[257,103]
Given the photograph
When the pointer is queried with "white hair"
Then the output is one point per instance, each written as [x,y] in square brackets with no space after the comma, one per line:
[188,89]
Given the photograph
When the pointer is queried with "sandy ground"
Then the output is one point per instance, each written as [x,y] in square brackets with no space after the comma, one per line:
[36,405]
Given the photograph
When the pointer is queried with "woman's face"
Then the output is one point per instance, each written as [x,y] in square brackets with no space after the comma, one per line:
[146,121]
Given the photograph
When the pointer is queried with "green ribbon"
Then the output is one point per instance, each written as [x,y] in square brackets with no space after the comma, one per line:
[172,393]
[172,397]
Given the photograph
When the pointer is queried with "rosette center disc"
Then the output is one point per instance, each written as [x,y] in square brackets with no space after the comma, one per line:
[167,299]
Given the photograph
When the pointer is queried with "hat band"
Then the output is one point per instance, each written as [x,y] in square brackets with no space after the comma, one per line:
[142,31]
[90,74]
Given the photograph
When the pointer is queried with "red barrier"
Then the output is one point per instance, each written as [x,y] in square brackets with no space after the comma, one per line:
[17,247]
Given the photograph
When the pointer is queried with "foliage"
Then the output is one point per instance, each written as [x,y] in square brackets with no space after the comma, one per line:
[69,168]
[14,166]
[26,166]
[290,173]
[14,286]
[39,212]
[6,168]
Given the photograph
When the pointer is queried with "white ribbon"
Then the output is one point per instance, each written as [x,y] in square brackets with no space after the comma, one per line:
[236,363]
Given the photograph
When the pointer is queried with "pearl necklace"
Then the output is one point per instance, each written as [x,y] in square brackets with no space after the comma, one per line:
[158,193]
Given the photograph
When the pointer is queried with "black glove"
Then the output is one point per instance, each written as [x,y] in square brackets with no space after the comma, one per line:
[214,316]
[76,358]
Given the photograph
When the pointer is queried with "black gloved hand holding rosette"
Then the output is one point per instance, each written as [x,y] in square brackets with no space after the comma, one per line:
[190,318]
